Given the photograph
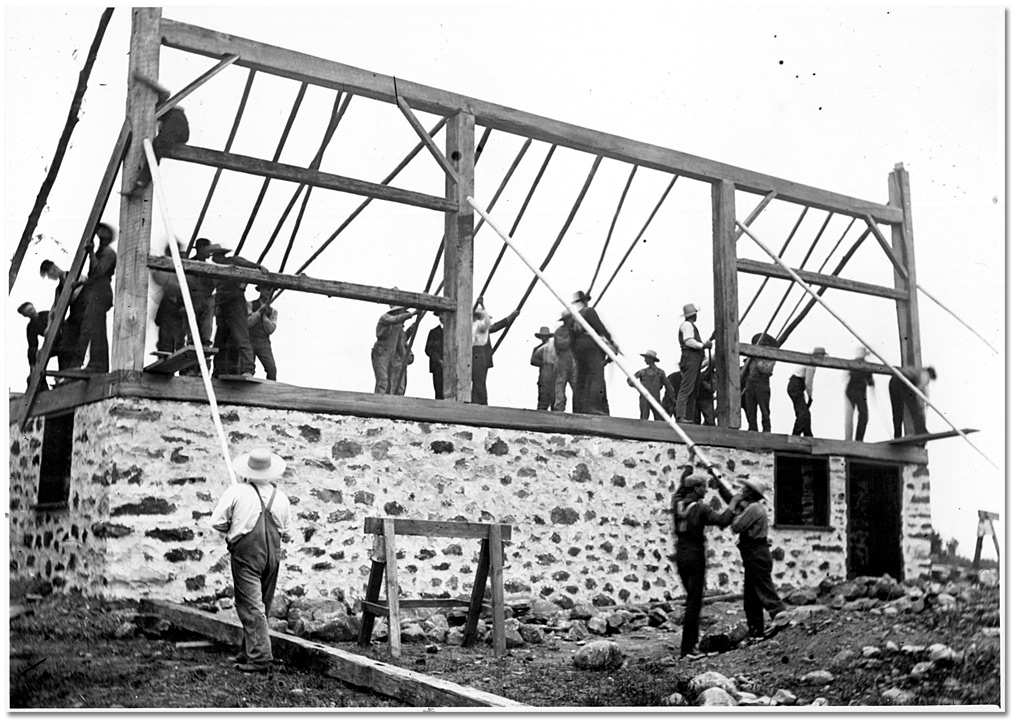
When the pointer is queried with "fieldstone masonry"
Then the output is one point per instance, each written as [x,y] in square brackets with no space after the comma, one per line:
[590,514]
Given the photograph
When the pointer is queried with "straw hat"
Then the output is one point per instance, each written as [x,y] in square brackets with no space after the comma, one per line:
[755,485]
[650,354]
[690,309]
[259,464]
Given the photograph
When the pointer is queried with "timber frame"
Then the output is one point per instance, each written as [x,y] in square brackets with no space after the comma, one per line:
[462,116]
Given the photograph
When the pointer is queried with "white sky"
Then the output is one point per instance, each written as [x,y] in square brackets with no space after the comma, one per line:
[830,97]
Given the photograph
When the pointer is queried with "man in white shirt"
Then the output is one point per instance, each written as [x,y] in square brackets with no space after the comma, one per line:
[253,515]
[801,393]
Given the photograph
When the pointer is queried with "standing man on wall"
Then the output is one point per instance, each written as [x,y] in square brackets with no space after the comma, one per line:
[590,394]
[481,349]
[98,295]
[800,389]
[691,515]
[704,400]
[692,351]
[38,322]
[566,372]
[751,524]
[654,379]
[234,355]
[544,357]
[253,515]
[857,398]
[903,398]
[389,352]
[434,350]
[70,327]
[261,325]
[757,386]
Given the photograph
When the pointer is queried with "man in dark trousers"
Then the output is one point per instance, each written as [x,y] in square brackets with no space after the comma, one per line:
[655,380]
[390,356]
[674,381]
[202,290]
[801,390]
[98,295]
[590,396]
[253,515]
[566,372]
[481,349]
[857,398]
[756,385]
[692,351]
[70,327]
[38,321]
[751,523]
[434,351]
[691,515]
[261,325]
[171,319]
[234,355]
[704,400]
[903,398]
[172,129]
[544,357]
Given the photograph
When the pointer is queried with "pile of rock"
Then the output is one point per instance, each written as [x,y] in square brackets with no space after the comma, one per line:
[712,689]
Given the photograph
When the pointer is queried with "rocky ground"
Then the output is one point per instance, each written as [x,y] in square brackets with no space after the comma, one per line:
[868,642]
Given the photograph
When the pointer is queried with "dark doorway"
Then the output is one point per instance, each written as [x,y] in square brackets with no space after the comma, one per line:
[874,529]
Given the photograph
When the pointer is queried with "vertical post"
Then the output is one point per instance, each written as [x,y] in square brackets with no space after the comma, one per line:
[902,241]
[130,314]
[392,591]
[724,279]
[496,576]
[458,258]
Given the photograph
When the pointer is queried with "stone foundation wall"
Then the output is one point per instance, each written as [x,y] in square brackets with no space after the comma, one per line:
[590,514]
[916,518]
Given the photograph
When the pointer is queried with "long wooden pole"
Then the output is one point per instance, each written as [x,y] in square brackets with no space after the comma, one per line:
[580,321]
[892,369]
[58,156]
[612,226]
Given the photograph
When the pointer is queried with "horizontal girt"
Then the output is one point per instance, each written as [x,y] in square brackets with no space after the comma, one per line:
[330,74]
[305,284]
[808,359]
[745,265]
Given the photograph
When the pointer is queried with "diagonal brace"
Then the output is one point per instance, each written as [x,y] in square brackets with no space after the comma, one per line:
[195,85]
[427,139]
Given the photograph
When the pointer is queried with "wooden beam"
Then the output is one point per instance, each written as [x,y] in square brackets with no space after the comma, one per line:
[131,292]
[392,590]
[808,359]
[276,395]
[174,100]
[287,172]
[726,303]
[74,272]
[426,139]
[329,74]
[459,259]
[437,528]
[305,284]
[496,581]
[922,438]
[772,270]
[419,690]
[907,317]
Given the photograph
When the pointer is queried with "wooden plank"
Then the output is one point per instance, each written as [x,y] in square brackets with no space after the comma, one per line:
[903,248]
[304,67]
[131,292]
[71,374]
[381,608]
[496,580]
[922,438]
[407,408]
[772,270]
[420,690]
[459,259]
[426,139]
[240,378]
[724,280]
[808,359]
[305,284]
[985,515]
[171,363]
[477,595]
[436,528]
[74,272]
[392,591]
[303,175]
[368,614]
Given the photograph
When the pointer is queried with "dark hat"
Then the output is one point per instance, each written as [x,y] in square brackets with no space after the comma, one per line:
[205,248]
[543,333]
[105,232]
[695,479]
[764,339]
[580,296]
[24,306]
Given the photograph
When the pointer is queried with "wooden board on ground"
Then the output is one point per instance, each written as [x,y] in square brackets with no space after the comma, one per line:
[419,690]
[922,438]
[170,364]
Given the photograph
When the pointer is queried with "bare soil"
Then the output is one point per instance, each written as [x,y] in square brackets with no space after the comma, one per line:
[76,652]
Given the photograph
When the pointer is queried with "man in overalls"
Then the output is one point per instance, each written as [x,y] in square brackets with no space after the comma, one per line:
[252,515]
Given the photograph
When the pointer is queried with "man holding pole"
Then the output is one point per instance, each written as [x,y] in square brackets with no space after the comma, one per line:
[692,351]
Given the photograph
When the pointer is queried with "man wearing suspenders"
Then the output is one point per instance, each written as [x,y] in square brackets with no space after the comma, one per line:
[253,515]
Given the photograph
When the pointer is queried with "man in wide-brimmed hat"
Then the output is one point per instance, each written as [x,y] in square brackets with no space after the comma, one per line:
[590,395]
[253,516]
[654,379]
[692,351]
[566,371]
[234,353]
[262,320]
[390,355]
[544,357]
[691,515]
[800,389]
[751,523]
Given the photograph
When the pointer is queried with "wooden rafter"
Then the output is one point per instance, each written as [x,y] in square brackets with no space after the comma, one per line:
[304,67]
[756,267]
[612,226]
[171,102]
[305,284]
[789,288]
[290,173]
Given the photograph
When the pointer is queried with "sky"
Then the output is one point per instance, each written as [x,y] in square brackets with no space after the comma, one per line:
[831,97]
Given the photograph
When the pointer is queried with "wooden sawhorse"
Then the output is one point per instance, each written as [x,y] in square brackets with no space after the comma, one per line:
[490,564]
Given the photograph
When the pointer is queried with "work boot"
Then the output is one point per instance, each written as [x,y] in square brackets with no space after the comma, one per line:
[252,668]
